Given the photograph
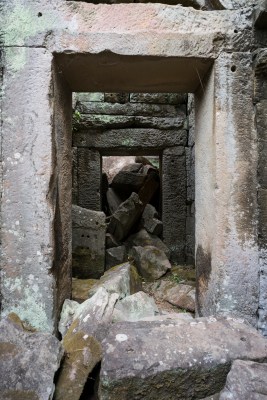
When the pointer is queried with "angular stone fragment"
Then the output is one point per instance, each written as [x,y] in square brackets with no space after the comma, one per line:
[121,279]
[143,238]
[179,317]
[129,179]
[115,256]
[182,296]
[152,263]
[28,361]
[170,360]
[82,342]
[80,288]
[150,222]
[88,243]
[246,380]
[113,200]
[158,98]
[135,307]
[125,217]
[110,241]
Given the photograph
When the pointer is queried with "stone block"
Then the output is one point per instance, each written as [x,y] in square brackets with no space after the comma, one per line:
[110,241]
[170,360]
[123,140]
[260,15]
[134,308]
[80,289]
[113,200]
[89,179]
[182,296]
[94,96]
[125,217]
[150,222]
[152,263]
[127,181]
[174,202]
[121,98]
[129,109]
[121,279]
[158,98]
[246,380]
[88,243]
[74,175]
[115,256]
[28,361]
[143,238]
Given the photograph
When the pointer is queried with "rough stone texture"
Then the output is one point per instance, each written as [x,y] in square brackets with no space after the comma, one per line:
[127,181]
[121,279]
[174,202]
[130,141]
[82,343]
[135,308]
[110,241]
[150,222]
[115,256]
[182,296]
[125,217]
[227,257]
[88,243]
[169,360]
[246,380]
[152,263]
[80,288]
[28,361]
[143,238]
[260,98]
[261,15]
[89,179]
[158,98]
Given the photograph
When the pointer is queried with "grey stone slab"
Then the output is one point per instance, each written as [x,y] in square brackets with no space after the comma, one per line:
[128,109]
[130,139]
[87,96]
[115,256]
[89,121]
[88,243]
[171,360]
[174,202]
[28,361]
[135,308]
[151,262]
[120,98]
[89,179]
[246,380]
[158,98]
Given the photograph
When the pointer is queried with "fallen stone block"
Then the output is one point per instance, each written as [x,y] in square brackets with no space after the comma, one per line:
[121,279]
[80,288]
[150,221]
[134,308]
[173,360]
[82,343]
[113,200]
[152,263]
[28,361]
[246,380]
[115,256]
[88,243]
[129,179]
[181,317]
[110,241]
[182,296]
[125,217]
[143,238]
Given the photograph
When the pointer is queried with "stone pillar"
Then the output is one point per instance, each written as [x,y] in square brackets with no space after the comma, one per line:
[226,191]
[89,179]
[261,122]
[28,285]
[174,201]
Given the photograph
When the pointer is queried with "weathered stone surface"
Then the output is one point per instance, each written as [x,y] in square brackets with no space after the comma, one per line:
[150,222]
[28,361]
[117,97]
[182,296]
[246,380]
[84,331]
[179,317]
[115,256]
[129,180]
[128,109]
[113,200]
[121,279]
[89,179]
[162,362]
[134,308]
[88,121]
[143,238]
[174,202]
[158,98]
[88,243]
[152,263]
[80,288]
[119,140]
[110,241]
[261,15]
[230,4]
[125,217]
